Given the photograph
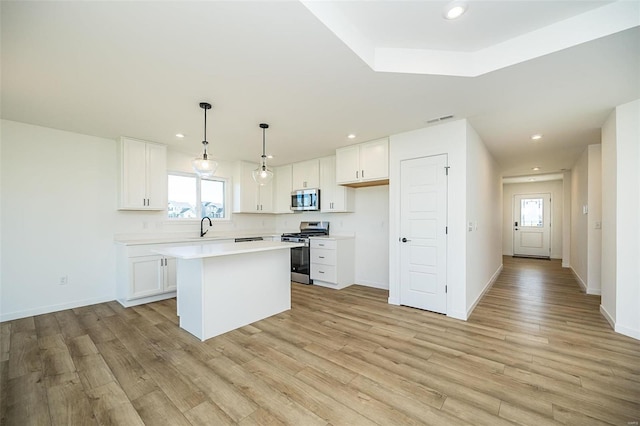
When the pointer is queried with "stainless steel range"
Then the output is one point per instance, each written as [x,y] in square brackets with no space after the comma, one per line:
[301,256]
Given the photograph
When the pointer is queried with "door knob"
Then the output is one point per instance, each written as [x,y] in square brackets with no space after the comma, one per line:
[404,240]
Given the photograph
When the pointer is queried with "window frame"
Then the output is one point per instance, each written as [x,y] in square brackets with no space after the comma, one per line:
[199,179]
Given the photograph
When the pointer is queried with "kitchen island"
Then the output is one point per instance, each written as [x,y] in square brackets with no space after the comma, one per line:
[221,287]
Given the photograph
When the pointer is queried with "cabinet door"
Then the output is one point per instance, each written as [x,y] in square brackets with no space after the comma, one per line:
[170,274]
[156,176]
[265,194]
[333,197]
[245,189]
[282,190]
[374,160]
[133,174]
[348,164]
[147,276]
[306,174]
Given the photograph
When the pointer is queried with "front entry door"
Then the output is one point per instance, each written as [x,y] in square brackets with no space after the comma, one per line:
[423,240]
[532,225]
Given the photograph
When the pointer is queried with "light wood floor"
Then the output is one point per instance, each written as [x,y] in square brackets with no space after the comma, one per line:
[535,351]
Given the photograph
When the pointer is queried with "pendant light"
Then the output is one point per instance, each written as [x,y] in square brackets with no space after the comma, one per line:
[262,175]
[204,166]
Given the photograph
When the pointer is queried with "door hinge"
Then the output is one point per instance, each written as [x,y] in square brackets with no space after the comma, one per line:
[446,170]
[446,289]
[446,230]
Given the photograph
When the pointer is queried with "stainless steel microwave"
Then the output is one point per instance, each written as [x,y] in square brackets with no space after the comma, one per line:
[305,199]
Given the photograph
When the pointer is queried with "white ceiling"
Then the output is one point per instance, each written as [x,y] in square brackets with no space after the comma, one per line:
[140,69]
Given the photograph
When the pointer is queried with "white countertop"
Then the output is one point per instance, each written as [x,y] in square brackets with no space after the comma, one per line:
[224,249]
[182,238]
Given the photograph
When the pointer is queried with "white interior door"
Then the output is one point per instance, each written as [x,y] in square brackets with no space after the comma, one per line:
[423,240]
[532,225]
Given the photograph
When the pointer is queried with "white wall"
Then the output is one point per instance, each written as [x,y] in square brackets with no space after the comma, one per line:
[58,215]
[609,226]
[450,139]
[566,219]
[579,222]
[484,208]
[556,189]
[620,220]
[594,219]
[472,260]
[628,219]
[369,223]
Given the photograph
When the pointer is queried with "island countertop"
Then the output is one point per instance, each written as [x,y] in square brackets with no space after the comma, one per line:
[215,250]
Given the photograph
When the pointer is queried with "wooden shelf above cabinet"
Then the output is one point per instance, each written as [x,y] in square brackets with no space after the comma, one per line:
[366,184]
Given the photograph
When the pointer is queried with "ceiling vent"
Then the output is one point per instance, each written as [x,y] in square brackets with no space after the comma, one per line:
[439,119]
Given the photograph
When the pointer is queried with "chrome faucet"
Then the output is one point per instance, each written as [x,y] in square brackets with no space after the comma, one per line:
[202,223]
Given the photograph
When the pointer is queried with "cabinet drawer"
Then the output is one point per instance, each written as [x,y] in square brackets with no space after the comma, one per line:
[324,273]
[323,243]
[323,256]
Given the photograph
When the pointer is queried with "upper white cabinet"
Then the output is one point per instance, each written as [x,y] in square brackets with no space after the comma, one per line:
[333,197]
[305,174]
[364,164]
[248,196]
[143,175]
[282,189]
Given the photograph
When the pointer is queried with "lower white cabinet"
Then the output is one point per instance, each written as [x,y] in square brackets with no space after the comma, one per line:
[151,275]
[332,261]
[144,276]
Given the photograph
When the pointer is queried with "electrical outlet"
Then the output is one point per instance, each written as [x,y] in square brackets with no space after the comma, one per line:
[64,280]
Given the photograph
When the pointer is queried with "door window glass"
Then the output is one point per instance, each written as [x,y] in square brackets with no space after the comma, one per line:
[531,213]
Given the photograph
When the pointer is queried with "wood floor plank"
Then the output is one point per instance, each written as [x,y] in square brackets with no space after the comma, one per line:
[111,406]
[323,405]
[155,408]
[69,405]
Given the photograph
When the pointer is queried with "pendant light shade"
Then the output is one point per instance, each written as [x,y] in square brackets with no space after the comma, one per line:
[204,166]
[262,175]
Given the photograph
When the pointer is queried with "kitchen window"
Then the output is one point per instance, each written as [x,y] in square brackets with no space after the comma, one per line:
[192,197]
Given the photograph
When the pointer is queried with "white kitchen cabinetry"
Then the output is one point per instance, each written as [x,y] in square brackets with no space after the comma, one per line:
[144,276]
[365,164]
[282,189]
[333,261]
[334,198]
[248,196]
[305,174]
[143,175]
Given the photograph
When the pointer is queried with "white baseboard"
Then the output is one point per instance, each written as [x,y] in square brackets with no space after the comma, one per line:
[486,288]
[52,308]
[374,284]
[566,264]
[457,315]
[627,331]
[393,301]
[145,300]
[582,283]
[608,317]
[596,291]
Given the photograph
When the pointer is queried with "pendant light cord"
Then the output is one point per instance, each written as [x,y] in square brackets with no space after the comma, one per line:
[204,142]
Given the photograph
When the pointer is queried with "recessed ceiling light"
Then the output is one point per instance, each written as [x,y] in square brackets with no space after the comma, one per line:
[269,156]
[536,137]
[351,136]
[454,10]
[535,168]
[179,135]
[532,179]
